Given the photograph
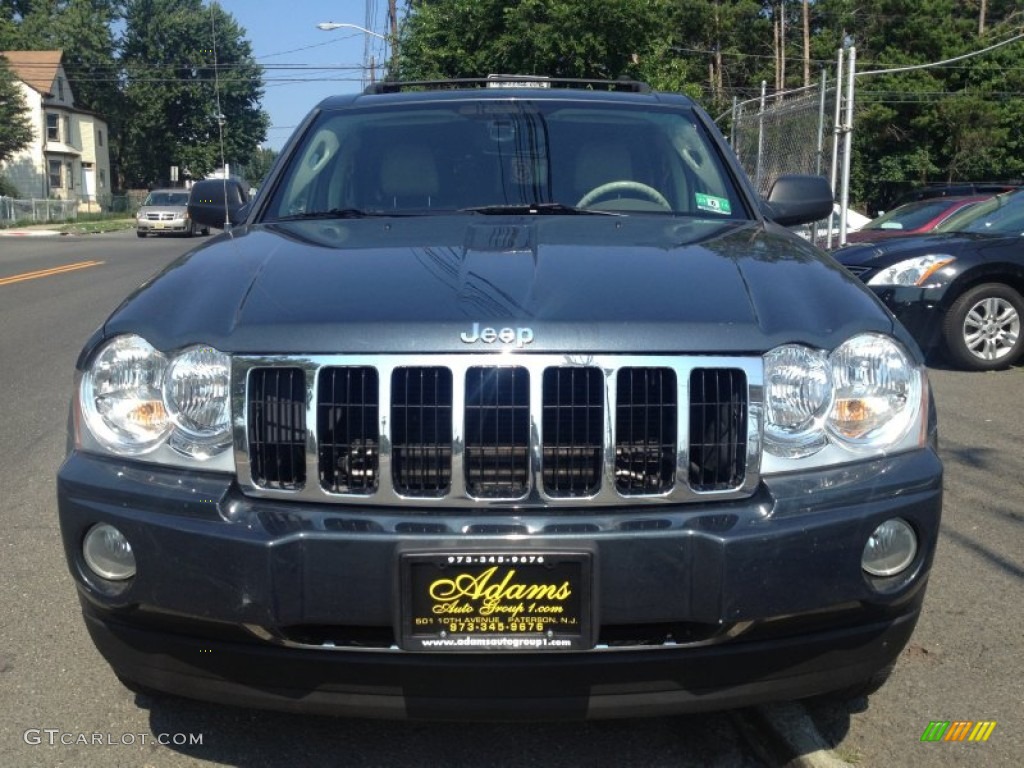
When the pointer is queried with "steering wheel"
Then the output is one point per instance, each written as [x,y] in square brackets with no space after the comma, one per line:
[648,193]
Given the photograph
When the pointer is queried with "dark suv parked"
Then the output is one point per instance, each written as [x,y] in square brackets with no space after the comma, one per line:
[503,400]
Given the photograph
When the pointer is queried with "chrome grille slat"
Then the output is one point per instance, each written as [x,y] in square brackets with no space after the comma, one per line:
[347,422]
[525,438]
[421,430]
[717,429]
[278,434]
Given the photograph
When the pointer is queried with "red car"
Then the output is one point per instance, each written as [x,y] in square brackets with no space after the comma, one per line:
[912,218]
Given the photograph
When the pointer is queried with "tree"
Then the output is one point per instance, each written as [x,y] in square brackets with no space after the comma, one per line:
[259,166]
[191,88]
[15,128]
[570,38]
[84,31]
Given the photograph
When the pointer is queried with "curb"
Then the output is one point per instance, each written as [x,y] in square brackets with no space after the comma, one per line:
[783,734]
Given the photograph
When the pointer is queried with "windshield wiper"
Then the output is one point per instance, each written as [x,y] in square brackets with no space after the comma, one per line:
[338,213]
[536,209]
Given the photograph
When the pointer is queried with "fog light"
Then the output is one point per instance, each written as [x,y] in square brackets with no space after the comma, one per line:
[890,549]
[108,553]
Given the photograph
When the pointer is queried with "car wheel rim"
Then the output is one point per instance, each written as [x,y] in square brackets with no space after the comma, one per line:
[991,328]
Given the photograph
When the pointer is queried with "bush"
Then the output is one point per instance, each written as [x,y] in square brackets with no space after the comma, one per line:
[7,188]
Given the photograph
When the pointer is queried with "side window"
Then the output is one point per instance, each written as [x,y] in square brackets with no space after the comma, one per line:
[300,190]
[707,190]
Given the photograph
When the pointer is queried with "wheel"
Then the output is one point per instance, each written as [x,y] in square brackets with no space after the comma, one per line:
[139,233]
[206,231]
[191,231]
[649,193]
[982,328]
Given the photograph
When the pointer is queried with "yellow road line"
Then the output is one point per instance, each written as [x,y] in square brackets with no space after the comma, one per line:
[48,272]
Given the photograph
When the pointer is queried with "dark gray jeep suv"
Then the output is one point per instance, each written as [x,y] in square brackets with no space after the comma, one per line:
[503,400]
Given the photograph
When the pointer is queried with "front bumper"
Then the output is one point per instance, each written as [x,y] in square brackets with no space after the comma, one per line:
[175,226]
[697,607]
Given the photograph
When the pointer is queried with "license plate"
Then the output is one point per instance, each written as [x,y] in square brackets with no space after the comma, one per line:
[496,601]
[160,226]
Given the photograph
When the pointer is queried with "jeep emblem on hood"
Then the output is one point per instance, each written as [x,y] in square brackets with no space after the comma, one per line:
[519,336]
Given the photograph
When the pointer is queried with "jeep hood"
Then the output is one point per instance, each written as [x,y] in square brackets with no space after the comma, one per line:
[559,283]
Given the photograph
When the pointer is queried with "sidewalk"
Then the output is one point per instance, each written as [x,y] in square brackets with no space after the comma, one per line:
[28,232]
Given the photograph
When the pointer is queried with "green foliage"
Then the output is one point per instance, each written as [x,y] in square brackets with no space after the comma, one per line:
[259,166]
[958,122]
[15,128]
[7,188]
[154,83]
[474,38]
[84,30]
[183,96]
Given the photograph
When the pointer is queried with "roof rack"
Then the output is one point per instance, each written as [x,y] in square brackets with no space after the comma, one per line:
[622,84]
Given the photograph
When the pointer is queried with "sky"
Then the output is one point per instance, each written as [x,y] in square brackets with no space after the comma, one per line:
[303,64]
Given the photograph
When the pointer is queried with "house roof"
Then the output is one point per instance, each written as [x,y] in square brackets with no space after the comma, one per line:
[37,69]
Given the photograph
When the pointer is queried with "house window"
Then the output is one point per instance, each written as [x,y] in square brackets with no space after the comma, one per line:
[71,176]
[67,129]
[55,173]
[103,178]
[52,127]
[60,88]
[99,138]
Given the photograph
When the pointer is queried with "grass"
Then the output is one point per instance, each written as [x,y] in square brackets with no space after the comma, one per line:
[94,226]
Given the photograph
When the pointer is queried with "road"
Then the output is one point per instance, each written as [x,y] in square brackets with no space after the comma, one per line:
[964,662]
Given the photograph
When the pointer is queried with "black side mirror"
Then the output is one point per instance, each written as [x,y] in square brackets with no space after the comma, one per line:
[216,204]
[797,199]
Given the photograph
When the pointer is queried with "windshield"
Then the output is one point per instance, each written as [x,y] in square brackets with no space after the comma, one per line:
[913,215]
[506,156]
[167,198]
[1001,215]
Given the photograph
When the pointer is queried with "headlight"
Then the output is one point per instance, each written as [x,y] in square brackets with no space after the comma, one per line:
[865,397]
[798,395]
[134,399]
[916,271]
[122,399]
[877,393]
[197,389]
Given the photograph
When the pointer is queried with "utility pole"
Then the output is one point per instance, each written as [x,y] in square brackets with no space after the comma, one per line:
[393,18]
[807,43]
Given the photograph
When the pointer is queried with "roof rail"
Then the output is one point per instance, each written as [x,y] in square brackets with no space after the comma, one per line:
[622,84]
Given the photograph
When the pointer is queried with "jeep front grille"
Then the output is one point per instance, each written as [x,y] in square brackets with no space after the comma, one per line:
[277,428]
[467,431]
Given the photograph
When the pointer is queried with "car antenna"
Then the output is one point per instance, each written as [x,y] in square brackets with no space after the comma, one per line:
[220,118]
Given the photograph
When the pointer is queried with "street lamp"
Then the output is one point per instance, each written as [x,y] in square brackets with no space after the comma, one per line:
[329,26]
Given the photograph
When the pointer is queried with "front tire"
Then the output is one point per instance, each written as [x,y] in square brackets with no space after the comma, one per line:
[982,329]
[139,233]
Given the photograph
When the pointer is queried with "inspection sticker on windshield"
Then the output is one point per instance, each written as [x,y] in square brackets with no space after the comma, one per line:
[712,203]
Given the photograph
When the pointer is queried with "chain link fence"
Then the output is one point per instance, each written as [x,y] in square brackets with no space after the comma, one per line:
[789,132]
[36,211]
[16,211]
[783,133]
